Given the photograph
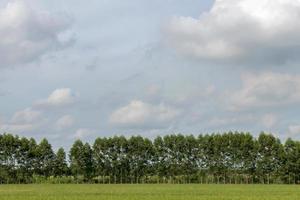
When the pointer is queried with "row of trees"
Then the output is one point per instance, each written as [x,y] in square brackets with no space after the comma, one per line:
[217,158]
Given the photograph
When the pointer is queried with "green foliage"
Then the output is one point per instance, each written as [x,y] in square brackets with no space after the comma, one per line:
[45,158]
[60,167]
[231,157]
[81,160]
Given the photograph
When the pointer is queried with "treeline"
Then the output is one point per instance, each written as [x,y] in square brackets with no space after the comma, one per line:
[229,158]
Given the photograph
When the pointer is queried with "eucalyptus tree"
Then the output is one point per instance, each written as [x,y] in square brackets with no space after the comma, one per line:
[270,154]
[60,166]
[123,160]
[81,162]
[88,161]
[205,154]
[233,157]
[76,159]
[291,167]
[112,152]
[45,158]
[248,156]
[100,157]
[161,158]
[219,164]
[117,157]
[140,155]
[241,154]
[174,150]
[9,149]
[191,157]
[24,164]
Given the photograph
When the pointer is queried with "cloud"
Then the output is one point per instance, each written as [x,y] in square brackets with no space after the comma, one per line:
[269,120]
[294,130]
[138,114]
[32,118]
[28,34]
[266,89]
[263,31]
[27,115]
[22,121]
[16,128]
[65,121]
[83,133]
[59,97]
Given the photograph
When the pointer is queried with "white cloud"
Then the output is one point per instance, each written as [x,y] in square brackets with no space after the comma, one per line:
[27,34]
[65,121]
[294,130]
[138,114]
[59,97]
[22,121]
[83,133]
[27,115]
[16,128]
[33,118]
[266,89]
[240,30]
[269,120]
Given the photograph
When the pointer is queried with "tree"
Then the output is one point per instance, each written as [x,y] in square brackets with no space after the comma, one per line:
[270,153]
[88,161]
[60,167]
[81,160]
[233,157]
[45,158]
[76,160]
[161,163]
[291,167]
[99,157]
[8,156]
[23,158]
[191,157]
[140,155]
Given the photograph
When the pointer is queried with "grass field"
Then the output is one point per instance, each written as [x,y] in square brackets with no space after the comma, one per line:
[149,192]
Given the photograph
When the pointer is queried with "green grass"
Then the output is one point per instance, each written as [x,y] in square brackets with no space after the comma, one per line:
[149,192]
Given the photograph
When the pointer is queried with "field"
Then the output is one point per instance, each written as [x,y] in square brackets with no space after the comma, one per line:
[149,192]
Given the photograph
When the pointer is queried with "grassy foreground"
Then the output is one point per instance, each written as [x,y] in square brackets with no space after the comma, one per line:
[147,192]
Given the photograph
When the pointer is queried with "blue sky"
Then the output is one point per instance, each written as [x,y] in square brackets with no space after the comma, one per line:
[72,69]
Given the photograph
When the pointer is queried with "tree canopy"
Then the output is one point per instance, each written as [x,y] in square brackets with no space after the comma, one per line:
[232,157]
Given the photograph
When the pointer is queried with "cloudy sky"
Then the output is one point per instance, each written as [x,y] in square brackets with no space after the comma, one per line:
[72,69]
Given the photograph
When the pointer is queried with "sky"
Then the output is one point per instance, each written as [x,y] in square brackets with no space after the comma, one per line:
[80,70]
